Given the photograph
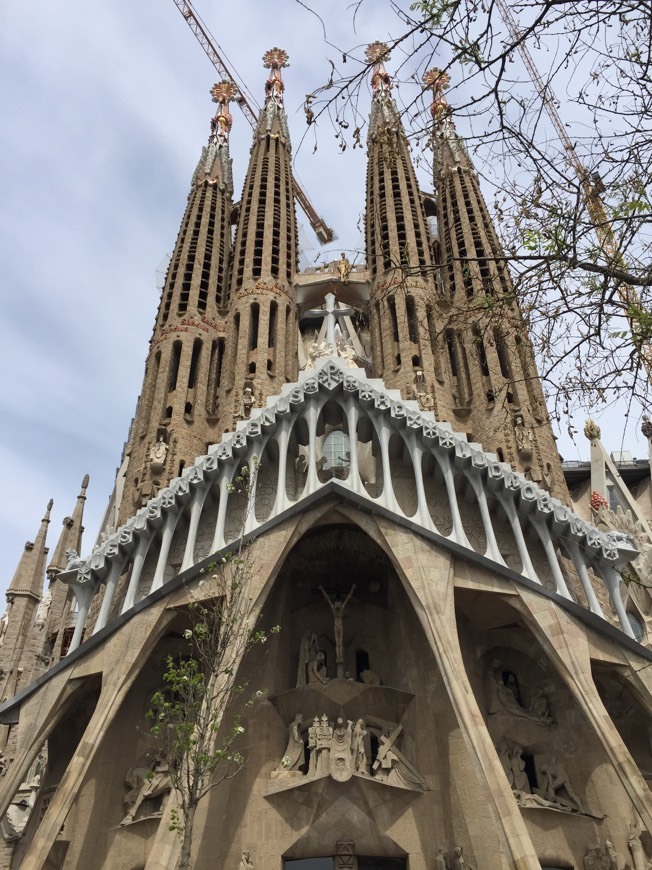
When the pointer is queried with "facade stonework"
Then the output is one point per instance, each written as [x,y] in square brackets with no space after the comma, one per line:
[459,679]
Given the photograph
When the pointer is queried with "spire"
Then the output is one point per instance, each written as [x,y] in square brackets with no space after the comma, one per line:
[71,535]
[261,339]
[493,387]
[397,236]
[273,118]
[28,579]
[384,112]
[214,165]
[398,246]
[176,415]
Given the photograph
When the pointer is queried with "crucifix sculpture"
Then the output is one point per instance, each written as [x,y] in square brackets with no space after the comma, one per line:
[338,607]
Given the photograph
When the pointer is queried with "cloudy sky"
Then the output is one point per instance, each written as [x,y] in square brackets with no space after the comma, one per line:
[105,107]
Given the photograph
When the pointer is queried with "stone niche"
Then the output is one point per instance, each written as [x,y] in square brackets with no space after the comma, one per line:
[553,760]
[627,713]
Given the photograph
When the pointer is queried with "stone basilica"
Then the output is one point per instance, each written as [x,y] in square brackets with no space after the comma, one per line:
[461,678]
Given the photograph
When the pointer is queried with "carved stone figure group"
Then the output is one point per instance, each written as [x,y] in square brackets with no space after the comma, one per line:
[513,764]
[312,661]
[554,788]
[454,860]
[335,748]
[503,699]
[601,857]
[341,749]
[146,785]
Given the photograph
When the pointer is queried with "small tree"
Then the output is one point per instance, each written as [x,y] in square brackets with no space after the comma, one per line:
[194,715]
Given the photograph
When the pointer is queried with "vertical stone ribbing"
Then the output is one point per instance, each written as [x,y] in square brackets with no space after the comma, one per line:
[261,347]
[176,416]
[398,247]
[496,392]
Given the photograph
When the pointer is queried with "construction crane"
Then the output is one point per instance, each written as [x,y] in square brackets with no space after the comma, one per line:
[591,186]
[323,232]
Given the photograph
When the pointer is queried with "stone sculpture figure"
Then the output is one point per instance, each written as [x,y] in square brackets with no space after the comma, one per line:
[392,766]
[312,746]
[341,760]
[307,652]
[344,268]
[503,700]
[4,622]
[317,350]
[600,857]
[323,746]
[134,779]
[555,779]
[524,439]
[636,848]
[359,754]
[346,350]
[538,706]
[156,785]
[506,761]
[41,612]
[317,670]
[245,862]
[458,859]
[72,559]
[248,402]
[611,853]
[424,398]
[295,753]
[157,456]
[517,764]
[590,861]
[441,862]
[338,607]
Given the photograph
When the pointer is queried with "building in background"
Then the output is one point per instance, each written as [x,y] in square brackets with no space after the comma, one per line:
[462,676]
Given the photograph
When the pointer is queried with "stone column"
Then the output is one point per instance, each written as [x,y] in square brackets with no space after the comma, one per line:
[428,578]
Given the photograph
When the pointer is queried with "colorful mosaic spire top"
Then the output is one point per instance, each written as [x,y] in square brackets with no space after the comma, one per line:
[438,81]
[377,53]
[275,60]
[222,93]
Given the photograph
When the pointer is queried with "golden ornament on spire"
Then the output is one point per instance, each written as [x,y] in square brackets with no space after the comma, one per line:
[377,52]
[223,92]
[276,58]
[438,81]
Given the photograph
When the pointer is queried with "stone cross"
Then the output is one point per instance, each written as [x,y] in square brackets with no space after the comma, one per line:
[330,314]
[388,743]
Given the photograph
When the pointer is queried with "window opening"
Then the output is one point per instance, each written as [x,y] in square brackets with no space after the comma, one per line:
[336,450]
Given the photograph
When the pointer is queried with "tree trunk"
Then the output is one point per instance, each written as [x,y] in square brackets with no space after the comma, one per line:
[186,840]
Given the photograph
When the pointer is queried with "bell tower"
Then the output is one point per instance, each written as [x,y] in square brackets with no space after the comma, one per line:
[399,258]
[494,392]
[177,413]
[262,323]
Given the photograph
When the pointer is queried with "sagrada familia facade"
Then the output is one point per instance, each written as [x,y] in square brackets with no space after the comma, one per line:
[461,678]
